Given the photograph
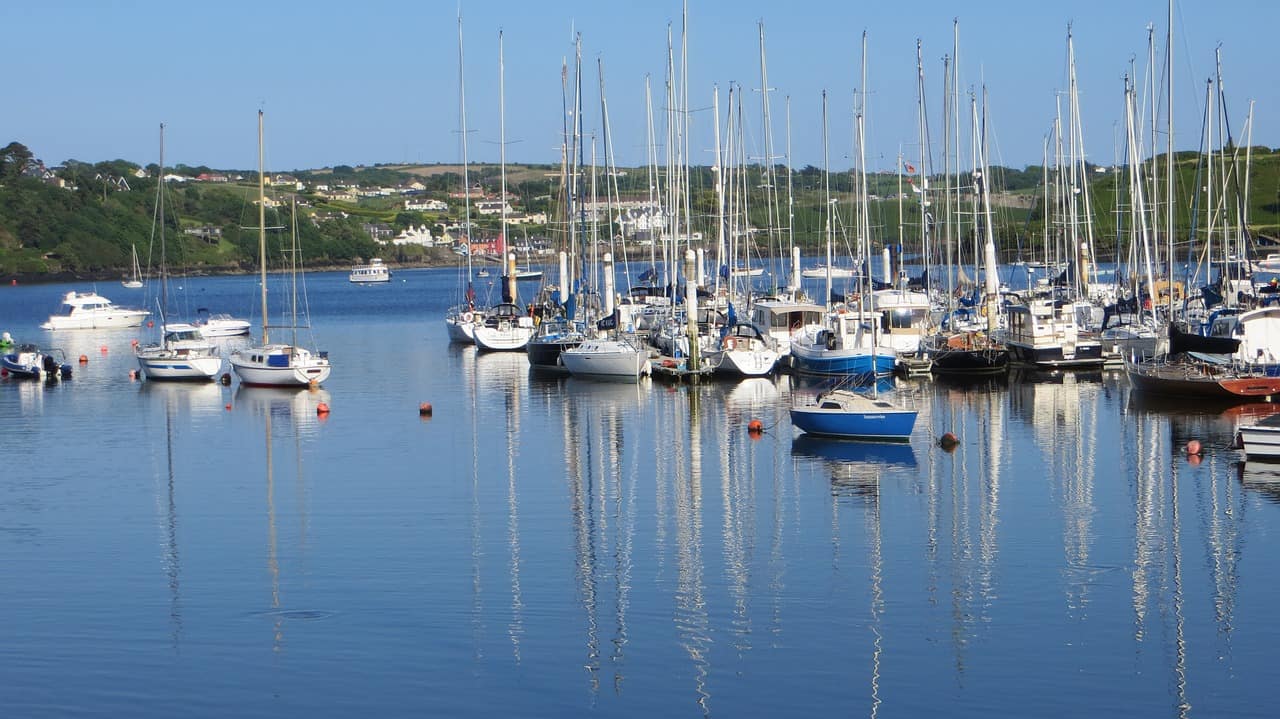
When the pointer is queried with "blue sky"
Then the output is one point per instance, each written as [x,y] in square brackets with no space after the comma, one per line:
[363,83]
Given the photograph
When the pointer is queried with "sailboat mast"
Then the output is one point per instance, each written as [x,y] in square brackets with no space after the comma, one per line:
[826,187]
[466,177]
[1168,160]
[502,160]
[262,230]
[164,265]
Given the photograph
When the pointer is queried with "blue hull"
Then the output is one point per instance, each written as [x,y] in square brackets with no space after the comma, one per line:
[888,425]
[839,363]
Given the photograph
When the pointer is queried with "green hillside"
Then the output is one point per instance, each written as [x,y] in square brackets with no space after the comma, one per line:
[82,220]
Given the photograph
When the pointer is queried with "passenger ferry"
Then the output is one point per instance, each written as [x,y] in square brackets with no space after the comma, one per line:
[375,271]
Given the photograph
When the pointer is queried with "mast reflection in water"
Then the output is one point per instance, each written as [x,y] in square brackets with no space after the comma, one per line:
[549,546]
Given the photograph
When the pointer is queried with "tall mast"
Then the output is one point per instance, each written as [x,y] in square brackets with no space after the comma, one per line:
[164,266]
[466,176]
[826,186]
[718,179]
[262,229]
[1169,160]
[502,160]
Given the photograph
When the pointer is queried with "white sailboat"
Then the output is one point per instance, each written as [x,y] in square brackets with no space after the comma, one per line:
[461,320]
[278,365]
[135,278]
[183,352]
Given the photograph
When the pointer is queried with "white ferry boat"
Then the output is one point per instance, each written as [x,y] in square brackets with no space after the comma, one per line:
[375,271]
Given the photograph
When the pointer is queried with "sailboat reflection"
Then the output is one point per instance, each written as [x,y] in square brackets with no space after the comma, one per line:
[855,467]
[294,409]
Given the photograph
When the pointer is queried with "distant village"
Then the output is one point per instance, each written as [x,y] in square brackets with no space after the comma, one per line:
[639,222]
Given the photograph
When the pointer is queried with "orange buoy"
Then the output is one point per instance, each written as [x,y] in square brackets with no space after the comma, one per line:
[322,408]
[133,374]
[226,381]
[103,349]
[133,342]
[84,359]
[228,407]
[755,426]
[151,323]
[1193,448]
[424,409]
[948,441]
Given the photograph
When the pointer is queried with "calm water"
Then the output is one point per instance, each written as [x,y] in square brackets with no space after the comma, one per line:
[555,547]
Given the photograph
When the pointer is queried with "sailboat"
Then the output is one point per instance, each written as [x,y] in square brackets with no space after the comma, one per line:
[135,279]
[183,352]
[1193,365]
[461,320]
[847,413]
[278,365]
[507,327]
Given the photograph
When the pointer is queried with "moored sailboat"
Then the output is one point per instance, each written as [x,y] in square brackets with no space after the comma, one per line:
[280,365]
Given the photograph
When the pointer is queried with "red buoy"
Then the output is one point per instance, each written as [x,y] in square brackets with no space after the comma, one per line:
[84,359]
[133,374]
[1193,447]
[755,426]
[322,408]
[948,441]
[151,323]
[103,349]
[424,409]
[228,407]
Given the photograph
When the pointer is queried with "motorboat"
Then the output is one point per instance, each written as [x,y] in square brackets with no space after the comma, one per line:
[375,271]
[1262,440]
[220,324]
[89,310]
[29,361]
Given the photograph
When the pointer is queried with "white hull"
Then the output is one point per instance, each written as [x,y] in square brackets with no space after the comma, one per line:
[606,358]
[460,331]
[748,363]
[508,339]
[279,366]
[112,320]
[223,327]
[1262,440]
[163,364]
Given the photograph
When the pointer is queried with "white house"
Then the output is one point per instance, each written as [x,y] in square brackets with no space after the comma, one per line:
[413,236]
[426,205]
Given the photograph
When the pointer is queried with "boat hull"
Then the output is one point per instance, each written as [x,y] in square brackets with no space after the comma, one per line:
[857,361]
[1083,355]
[178,365]
[279,366]
[886,425]
[545,355]
[1261,442]
[605,359]
[1184,381]
[962,361]
[112,320]
[502,339]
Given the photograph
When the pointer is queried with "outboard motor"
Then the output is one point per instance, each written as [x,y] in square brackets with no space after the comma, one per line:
[49,365]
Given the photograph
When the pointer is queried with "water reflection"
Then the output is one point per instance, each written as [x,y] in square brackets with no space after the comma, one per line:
[854,468]
[1262,478]
[293,414]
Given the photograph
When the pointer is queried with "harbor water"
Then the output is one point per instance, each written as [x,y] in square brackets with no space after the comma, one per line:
[548,546]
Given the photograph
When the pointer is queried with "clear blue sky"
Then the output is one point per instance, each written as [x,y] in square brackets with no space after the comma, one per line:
[363,83]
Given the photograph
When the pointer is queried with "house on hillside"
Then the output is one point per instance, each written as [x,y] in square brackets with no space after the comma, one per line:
[379,231]
[426,205]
